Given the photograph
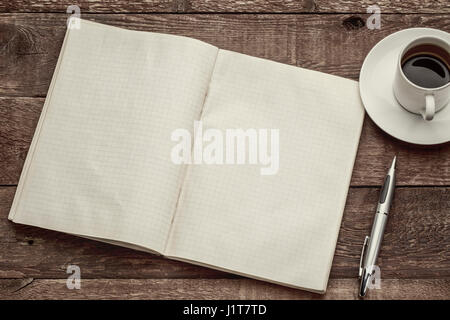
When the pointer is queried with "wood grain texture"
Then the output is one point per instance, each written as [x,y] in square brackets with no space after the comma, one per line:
[336,44]
[18,120]
[30,47]
[417,244]
[215,289]
[91,6]
[326,6]
[215,6]
[415,257]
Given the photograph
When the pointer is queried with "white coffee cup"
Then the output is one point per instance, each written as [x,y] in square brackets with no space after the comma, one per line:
[413,97]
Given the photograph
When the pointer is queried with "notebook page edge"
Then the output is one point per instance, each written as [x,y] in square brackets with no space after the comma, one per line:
[168,35]
[318,290]
[344,201]
[283,65]
[36,135]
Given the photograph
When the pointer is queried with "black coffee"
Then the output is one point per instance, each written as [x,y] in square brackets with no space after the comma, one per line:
[426,71]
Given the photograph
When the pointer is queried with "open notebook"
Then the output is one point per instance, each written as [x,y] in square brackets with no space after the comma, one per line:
[99,164]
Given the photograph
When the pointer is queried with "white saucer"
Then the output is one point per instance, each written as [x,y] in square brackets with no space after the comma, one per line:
[375,86]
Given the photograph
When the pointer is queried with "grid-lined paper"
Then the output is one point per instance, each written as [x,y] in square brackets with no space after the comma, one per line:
[99,165]
[282,227]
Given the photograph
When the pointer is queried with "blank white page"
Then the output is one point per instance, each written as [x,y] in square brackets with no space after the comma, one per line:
[281,228]
[99,165]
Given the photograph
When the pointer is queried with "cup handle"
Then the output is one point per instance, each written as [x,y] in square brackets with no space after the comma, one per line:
[430,107]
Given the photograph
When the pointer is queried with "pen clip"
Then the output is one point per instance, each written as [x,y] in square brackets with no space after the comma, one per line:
[366,240]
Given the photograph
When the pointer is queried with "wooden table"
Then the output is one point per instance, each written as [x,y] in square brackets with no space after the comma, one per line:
[325,35]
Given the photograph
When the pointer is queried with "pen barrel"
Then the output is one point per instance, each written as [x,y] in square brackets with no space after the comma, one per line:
[387,193]
[376,236]
[383,208]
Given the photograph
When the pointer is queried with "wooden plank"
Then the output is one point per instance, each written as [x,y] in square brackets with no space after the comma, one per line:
[328,6]
[416,166]
[416,244]
[89,6]
[32,44]
[286,6]
[18,120]
[335,43]
[199,289]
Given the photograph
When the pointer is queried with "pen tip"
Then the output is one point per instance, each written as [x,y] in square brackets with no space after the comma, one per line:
[365,279]
[394,162]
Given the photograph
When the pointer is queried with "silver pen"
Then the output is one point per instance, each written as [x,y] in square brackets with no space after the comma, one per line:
[372,244]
